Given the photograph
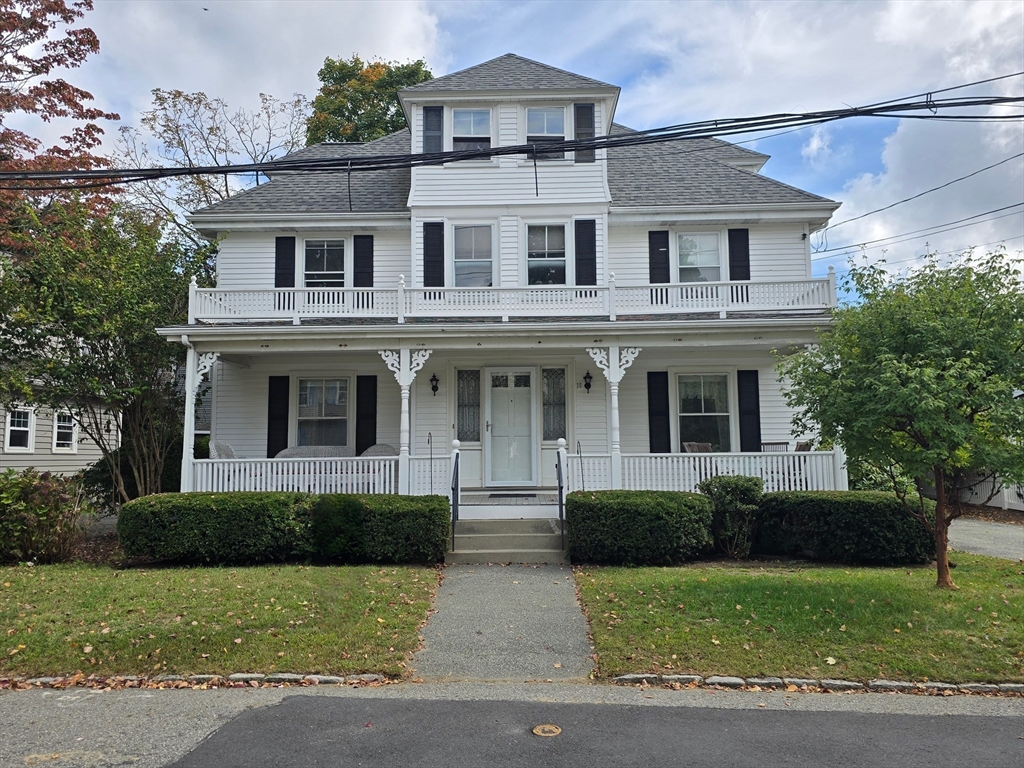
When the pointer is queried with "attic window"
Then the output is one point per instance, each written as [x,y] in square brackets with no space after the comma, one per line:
[545,125]
[471,129]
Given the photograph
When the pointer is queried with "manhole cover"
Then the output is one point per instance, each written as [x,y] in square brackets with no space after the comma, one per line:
[546,730]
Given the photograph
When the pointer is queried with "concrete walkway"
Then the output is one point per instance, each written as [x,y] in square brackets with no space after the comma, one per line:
[984,538]
[509,623]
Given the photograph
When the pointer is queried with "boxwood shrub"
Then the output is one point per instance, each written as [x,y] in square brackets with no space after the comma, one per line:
[842,527]
[637,527]
[734,522]
[381,528]
[216,528]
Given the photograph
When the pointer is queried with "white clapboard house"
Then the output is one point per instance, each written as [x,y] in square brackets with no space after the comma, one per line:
[627,301]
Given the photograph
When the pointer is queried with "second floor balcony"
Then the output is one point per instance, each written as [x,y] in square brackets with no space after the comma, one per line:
[605,302]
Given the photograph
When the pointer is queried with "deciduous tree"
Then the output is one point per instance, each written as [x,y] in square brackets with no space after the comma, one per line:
[919,376]
[358,101]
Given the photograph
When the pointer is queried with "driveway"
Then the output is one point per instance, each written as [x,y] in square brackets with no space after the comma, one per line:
[983,538]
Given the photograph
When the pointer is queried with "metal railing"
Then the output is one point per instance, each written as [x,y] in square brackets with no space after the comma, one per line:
[560,474]
[456,487]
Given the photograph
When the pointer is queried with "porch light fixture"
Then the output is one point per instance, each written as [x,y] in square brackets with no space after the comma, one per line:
[587,379]
[433,383]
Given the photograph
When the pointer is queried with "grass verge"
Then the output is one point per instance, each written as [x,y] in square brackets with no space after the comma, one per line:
[59,619]
[809,621]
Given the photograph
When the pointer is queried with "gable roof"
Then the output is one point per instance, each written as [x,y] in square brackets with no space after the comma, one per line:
[509,72]
[328,191]
[692,172]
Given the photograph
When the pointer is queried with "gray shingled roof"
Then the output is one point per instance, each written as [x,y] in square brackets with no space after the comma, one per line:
[692,172]
[328,192]
[508,72]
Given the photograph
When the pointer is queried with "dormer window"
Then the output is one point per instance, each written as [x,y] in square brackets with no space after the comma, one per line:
[545,125]
[471,129]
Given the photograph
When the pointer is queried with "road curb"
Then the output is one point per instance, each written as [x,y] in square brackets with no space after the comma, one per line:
[813,685]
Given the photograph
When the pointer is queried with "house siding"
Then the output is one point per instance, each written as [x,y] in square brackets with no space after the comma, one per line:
[44,458]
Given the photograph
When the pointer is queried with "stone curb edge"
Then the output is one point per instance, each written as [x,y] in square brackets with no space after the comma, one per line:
[236,680]
[805,685]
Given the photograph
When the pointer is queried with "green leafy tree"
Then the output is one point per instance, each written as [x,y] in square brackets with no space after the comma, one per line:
[918,379]
[358,101]
[78,331]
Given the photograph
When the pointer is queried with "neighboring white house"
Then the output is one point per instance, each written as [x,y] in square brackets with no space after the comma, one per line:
[628,301]
[49,441]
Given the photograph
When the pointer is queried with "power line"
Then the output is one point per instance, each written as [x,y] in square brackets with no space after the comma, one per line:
[928,231]
[961,249]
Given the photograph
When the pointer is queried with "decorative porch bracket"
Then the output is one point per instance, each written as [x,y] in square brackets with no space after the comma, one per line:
[613,362]
[197,366]
[404,363]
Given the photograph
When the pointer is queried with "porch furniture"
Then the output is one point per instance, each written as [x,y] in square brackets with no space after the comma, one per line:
[803,446]
[775,447]
[380,449]
[697,448]
[219,449]
[316,452]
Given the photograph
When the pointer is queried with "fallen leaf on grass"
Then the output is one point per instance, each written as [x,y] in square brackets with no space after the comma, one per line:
[829,660]
[238,640]
[87,649]
[716,642]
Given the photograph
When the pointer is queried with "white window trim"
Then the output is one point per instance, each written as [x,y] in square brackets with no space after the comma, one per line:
[300,257]
[568,124]
[449,249]
[293,403]
[674,372]
[569,405]
[570,250]
[54,448]
[449,134]
[31,430]
[723,251]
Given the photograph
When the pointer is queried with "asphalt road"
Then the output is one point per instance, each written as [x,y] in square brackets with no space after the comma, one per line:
[475,723]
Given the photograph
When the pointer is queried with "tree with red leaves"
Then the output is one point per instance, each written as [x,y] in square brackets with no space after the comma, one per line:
[38,37]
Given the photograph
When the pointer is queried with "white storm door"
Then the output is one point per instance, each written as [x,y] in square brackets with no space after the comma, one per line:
[510,426]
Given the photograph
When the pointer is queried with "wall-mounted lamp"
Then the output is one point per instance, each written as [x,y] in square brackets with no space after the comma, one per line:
[587,379]
[433,383]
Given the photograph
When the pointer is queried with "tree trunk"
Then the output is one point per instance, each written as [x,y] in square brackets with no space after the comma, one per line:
[941,533]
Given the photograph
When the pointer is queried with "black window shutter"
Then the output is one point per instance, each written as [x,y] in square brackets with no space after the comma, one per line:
[739,254]
[433,130]
[277,416]
[658,412]
[586,252]
[584,119]
[284,262]
[433,254]
[366,412]
[750,410]
[362,258]
[657,249]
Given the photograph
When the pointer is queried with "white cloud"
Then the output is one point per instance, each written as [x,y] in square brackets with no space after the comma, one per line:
[817,148]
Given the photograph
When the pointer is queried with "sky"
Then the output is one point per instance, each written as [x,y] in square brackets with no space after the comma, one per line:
[676,62]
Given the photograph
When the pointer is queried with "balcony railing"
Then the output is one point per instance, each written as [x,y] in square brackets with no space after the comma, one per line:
[611,301]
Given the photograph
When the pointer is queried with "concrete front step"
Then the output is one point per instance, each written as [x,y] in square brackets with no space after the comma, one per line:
[498,527]
[530,556]
[506,511]
[550,541]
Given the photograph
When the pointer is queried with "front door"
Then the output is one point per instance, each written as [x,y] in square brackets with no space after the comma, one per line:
[510,426]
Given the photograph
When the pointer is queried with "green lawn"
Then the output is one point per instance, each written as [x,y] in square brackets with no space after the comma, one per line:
[62,618]
[814,621]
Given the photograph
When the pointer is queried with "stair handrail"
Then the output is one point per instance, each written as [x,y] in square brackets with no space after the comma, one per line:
[456,488]
[560,460]
[579,460]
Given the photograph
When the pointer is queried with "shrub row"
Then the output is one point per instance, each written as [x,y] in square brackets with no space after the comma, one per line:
[41,516]
[244,528]
[660,528]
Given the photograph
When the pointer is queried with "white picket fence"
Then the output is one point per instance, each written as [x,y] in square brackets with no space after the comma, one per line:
[333,475]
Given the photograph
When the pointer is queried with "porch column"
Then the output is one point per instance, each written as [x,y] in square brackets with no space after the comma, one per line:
[839,469]
[196,367]
[404,363]
[613,363]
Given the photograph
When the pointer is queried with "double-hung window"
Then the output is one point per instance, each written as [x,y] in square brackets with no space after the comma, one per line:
[323,412]
[325,264]
[19,437]
[472,263]
[704,410]
[700,258]
[545,255]
[545,125]
[65,432]
[471,129]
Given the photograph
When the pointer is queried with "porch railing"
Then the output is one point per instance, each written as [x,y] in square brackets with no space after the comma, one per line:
[429,475]
[335,475]
[611,301]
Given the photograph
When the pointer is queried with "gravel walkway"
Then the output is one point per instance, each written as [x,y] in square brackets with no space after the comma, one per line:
[509,623]
[982,538]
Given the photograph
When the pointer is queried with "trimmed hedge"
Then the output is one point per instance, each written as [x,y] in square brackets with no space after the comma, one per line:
[735,499]
[223,528]
[637,527]
[381,528]
[842,527]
